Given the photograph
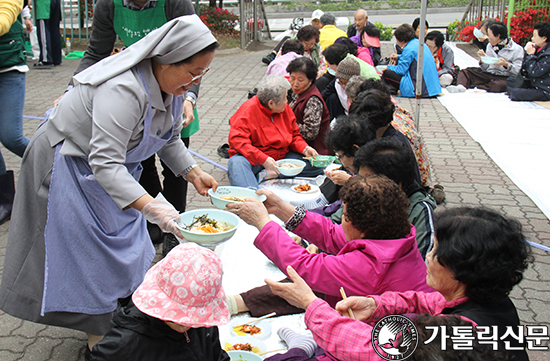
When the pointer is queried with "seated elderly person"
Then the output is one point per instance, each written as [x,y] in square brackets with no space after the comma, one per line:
[312,115]
[335,94]
[492,77]
[480,33]
[402,121]
[535,70]
[355,31]
[264,130]
[292,49]
[374,248]
[443,55]
[333,55]
[402,76]
[338,335]
[185,327]
[354,49]
[393,159]
[329,32]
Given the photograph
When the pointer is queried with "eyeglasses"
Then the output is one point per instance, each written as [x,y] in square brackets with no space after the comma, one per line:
[196,77]
[339,156]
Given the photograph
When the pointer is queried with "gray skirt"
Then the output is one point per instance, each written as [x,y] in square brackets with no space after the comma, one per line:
[23,275]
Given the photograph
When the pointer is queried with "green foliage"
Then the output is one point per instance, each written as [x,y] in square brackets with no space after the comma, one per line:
[386,32]
[452,30]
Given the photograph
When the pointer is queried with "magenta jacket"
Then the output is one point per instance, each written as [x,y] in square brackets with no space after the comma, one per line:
[363,266]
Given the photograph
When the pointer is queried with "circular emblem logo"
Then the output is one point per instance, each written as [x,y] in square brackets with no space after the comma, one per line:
[394,337]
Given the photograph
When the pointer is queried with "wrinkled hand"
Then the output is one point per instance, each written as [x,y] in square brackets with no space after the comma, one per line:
[270,165]
[481,53]
[28,24]
[530,48]
[312,249]
[298,293]
[502,62]
[310,152]
[202,181]
[252,211]
[162,214]
[188,113]
[393,59]
[362,307]
[338,177]
[276,205]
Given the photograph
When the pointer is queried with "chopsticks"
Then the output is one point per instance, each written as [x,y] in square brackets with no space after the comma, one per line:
[257,319]
[270,351]
[343,293]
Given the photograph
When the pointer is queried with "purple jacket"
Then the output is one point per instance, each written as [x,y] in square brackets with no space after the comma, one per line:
[362,266]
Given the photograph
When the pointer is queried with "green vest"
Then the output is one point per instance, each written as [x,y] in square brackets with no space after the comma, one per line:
[42,9]
[12,46]
[132,25]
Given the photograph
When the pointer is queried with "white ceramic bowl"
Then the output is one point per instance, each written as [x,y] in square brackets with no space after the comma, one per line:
[209,239]
[243,356]
[223,191]
[489,60]
[254,342]
[291,172]
[264,325]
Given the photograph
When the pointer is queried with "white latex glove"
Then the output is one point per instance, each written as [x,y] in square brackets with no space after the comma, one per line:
[163,214]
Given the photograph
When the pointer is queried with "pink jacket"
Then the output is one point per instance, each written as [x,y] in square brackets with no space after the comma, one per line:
[279,64]
[344,338]
[362,266]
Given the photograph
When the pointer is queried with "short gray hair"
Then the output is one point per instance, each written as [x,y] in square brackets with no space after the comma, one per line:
[353,85]
[328,19]
[272,87]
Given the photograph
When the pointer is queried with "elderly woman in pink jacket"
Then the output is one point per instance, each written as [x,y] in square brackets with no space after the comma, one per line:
[374,249]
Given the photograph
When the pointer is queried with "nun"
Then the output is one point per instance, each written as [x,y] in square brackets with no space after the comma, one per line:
[78,239]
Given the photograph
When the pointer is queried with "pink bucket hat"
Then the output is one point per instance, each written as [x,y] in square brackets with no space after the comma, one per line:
[185,288]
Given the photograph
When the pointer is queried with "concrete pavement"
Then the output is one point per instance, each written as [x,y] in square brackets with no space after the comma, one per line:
[458,163]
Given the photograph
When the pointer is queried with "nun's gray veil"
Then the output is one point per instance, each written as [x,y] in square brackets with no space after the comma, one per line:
[177,40]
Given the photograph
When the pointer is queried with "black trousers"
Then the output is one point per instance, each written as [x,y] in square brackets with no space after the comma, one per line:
[392,79]
[524,94]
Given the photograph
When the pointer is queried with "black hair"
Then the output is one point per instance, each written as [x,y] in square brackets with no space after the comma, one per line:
[416,24]
[485,251]
[344,40]
[437,37]
[486,23]
[374,105]
[371,30]
[389,157]
[308,32]
[304,65]
[335,53]
[544,30]
[404,33]
[499,29]
[350,131]
[293,45]
[327,19]
[208,49]
[371,83]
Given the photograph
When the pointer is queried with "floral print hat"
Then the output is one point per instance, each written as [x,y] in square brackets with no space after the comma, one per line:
[185,288]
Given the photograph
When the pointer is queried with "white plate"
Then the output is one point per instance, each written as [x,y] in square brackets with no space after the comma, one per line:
[254,342]
[264,325]
[314,188]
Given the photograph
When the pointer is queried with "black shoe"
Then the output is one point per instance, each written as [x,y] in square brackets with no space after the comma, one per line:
[268,58]
[223,151]
[170,241]
[41,65]
[7,193]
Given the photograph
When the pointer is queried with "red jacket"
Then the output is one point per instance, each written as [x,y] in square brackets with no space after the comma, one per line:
[257,134]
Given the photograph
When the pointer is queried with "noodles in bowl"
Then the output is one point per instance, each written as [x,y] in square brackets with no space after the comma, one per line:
[208,227]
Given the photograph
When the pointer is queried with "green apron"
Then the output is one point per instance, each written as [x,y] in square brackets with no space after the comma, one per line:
[128,23]
[42,9]
[191,128]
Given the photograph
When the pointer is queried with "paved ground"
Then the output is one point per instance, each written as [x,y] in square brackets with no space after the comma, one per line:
[458,163]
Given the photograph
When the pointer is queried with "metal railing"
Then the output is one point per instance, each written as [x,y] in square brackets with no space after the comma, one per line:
[76,20]
[253,21]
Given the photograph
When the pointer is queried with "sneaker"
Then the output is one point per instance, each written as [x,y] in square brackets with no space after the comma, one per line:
[268,58]
[41,65]
[170,241]
[223,151]
[456,88]
[438,192]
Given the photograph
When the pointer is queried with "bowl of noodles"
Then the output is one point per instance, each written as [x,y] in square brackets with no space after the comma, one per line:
[228,194]
[208,227]
[290,167]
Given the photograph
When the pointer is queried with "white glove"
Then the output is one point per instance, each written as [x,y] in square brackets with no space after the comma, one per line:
[163,214]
